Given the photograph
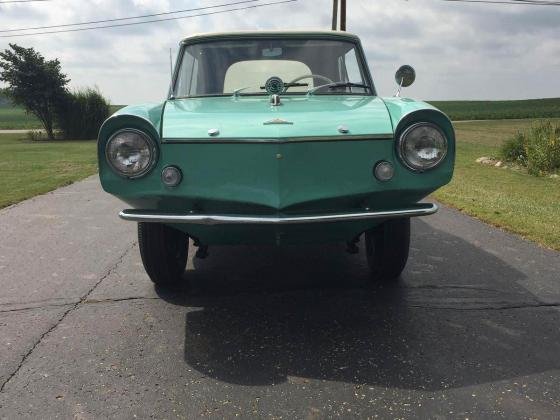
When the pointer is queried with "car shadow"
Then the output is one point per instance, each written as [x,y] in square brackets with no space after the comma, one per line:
[457,317]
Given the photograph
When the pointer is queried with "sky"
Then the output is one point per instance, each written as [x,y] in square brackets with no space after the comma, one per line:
[459,50]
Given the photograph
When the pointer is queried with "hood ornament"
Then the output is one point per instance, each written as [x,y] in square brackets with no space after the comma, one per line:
[275,100]
[277,121]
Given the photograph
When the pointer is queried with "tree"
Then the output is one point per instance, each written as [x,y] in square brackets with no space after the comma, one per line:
[33,82]
[81,115]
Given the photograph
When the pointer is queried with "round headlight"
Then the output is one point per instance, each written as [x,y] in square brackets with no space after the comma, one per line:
[422,146]
[131,153]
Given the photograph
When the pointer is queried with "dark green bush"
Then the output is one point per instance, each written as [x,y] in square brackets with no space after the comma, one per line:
[538,149]
[82,113]
[513,149]
[543,149]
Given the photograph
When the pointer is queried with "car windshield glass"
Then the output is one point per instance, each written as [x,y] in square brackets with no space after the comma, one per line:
[243,67]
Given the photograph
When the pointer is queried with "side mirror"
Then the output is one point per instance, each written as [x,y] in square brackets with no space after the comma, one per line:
[404,77]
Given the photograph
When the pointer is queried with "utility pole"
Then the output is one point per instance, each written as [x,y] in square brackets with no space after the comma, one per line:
[342,15]
[334,14]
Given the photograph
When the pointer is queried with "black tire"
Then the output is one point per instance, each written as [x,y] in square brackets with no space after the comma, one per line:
[387,249]
[164,252]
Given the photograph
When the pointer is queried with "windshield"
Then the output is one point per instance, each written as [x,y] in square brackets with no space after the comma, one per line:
[290,66]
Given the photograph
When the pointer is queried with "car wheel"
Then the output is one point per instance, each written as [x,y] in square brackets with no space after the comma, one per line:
[387,249]
[164,252]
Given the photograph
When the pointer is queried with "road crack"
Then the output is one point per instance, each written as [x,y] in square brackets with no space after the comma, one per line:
[489,308]
[31,308]
[77,301]
[94,301]
[63,316]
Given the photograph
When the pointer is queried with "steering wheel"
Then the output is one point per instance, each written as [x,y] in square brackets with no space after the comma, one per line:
[306,76]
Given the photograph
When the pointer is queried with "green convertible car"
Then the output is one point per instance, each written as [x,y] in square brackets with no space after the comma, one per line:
[275,137]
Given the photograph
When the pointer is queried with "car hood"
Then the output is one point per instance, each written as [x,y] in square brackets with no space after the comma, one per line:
[254,117]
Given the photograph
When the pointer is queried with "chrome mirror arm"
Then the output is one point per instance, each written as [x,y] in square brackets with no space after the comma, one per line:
[398,94]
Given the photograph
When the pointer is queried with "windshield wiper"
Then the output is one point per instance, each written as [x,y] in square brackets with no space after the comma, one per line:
[289,85]
[237,91]
[335,85]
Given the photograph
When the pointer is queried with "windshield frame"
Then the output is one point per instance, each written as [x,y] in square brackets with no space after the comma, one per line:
[304,36]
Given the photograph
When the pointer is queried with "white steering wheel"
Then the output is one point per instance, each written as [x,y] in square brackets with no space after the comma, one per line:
[306,76]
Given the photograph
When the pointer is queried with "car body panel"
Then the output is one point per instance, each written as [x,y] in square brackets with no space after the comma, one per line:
[254,117]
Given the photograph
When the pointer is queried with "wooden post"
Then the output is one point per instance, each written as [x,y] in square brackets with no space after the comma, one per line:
[342,15]
[334,15]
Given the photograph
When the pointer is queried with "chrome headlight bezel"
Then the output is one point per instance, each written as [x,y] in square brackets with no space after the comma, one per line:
[152,147]
[402,142]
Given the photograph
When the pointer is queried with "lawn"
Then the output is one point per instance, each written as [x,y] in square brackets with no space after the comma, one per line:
[507,198]
[495,110]
[15,118]
[31,168]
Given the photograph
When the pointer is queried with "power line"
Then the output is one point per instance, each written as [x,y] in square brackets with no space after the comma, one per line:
[151,21]
[91,22]
[516,2]
[537,1]
[20,1]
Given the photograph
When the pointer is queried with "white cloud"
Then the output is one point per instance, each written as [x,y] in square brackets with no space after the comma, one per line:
[460,51]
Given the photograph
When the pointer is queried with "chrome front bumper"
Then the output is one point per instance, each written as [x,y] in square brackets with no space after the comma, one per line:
[219,219]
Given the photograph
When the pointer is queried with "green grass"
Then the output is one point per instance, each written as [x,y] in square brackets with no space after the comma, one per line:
[31,168]
[507,198]
[15,118]
[497,110]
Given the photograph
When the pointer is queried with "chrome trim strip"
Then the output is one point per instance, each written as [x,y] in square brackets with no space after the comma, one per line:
[269,34]
[277,121]
[217,219]
[361,137]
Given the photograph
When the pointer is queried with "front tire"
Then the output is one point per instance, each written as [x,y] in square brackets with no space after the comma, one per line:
[387,249]
[164,253]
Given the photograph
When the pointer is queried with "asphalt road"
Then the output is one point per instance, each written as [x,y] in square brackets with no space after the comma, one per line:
[471,331]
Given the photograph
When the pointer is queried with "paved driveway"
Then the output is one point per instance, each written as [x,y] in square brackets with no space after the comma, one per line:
[16,131]
[472,330]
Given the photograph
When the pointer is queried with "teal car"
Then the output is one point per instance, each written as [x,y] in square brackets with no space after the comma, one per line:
[275,138]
